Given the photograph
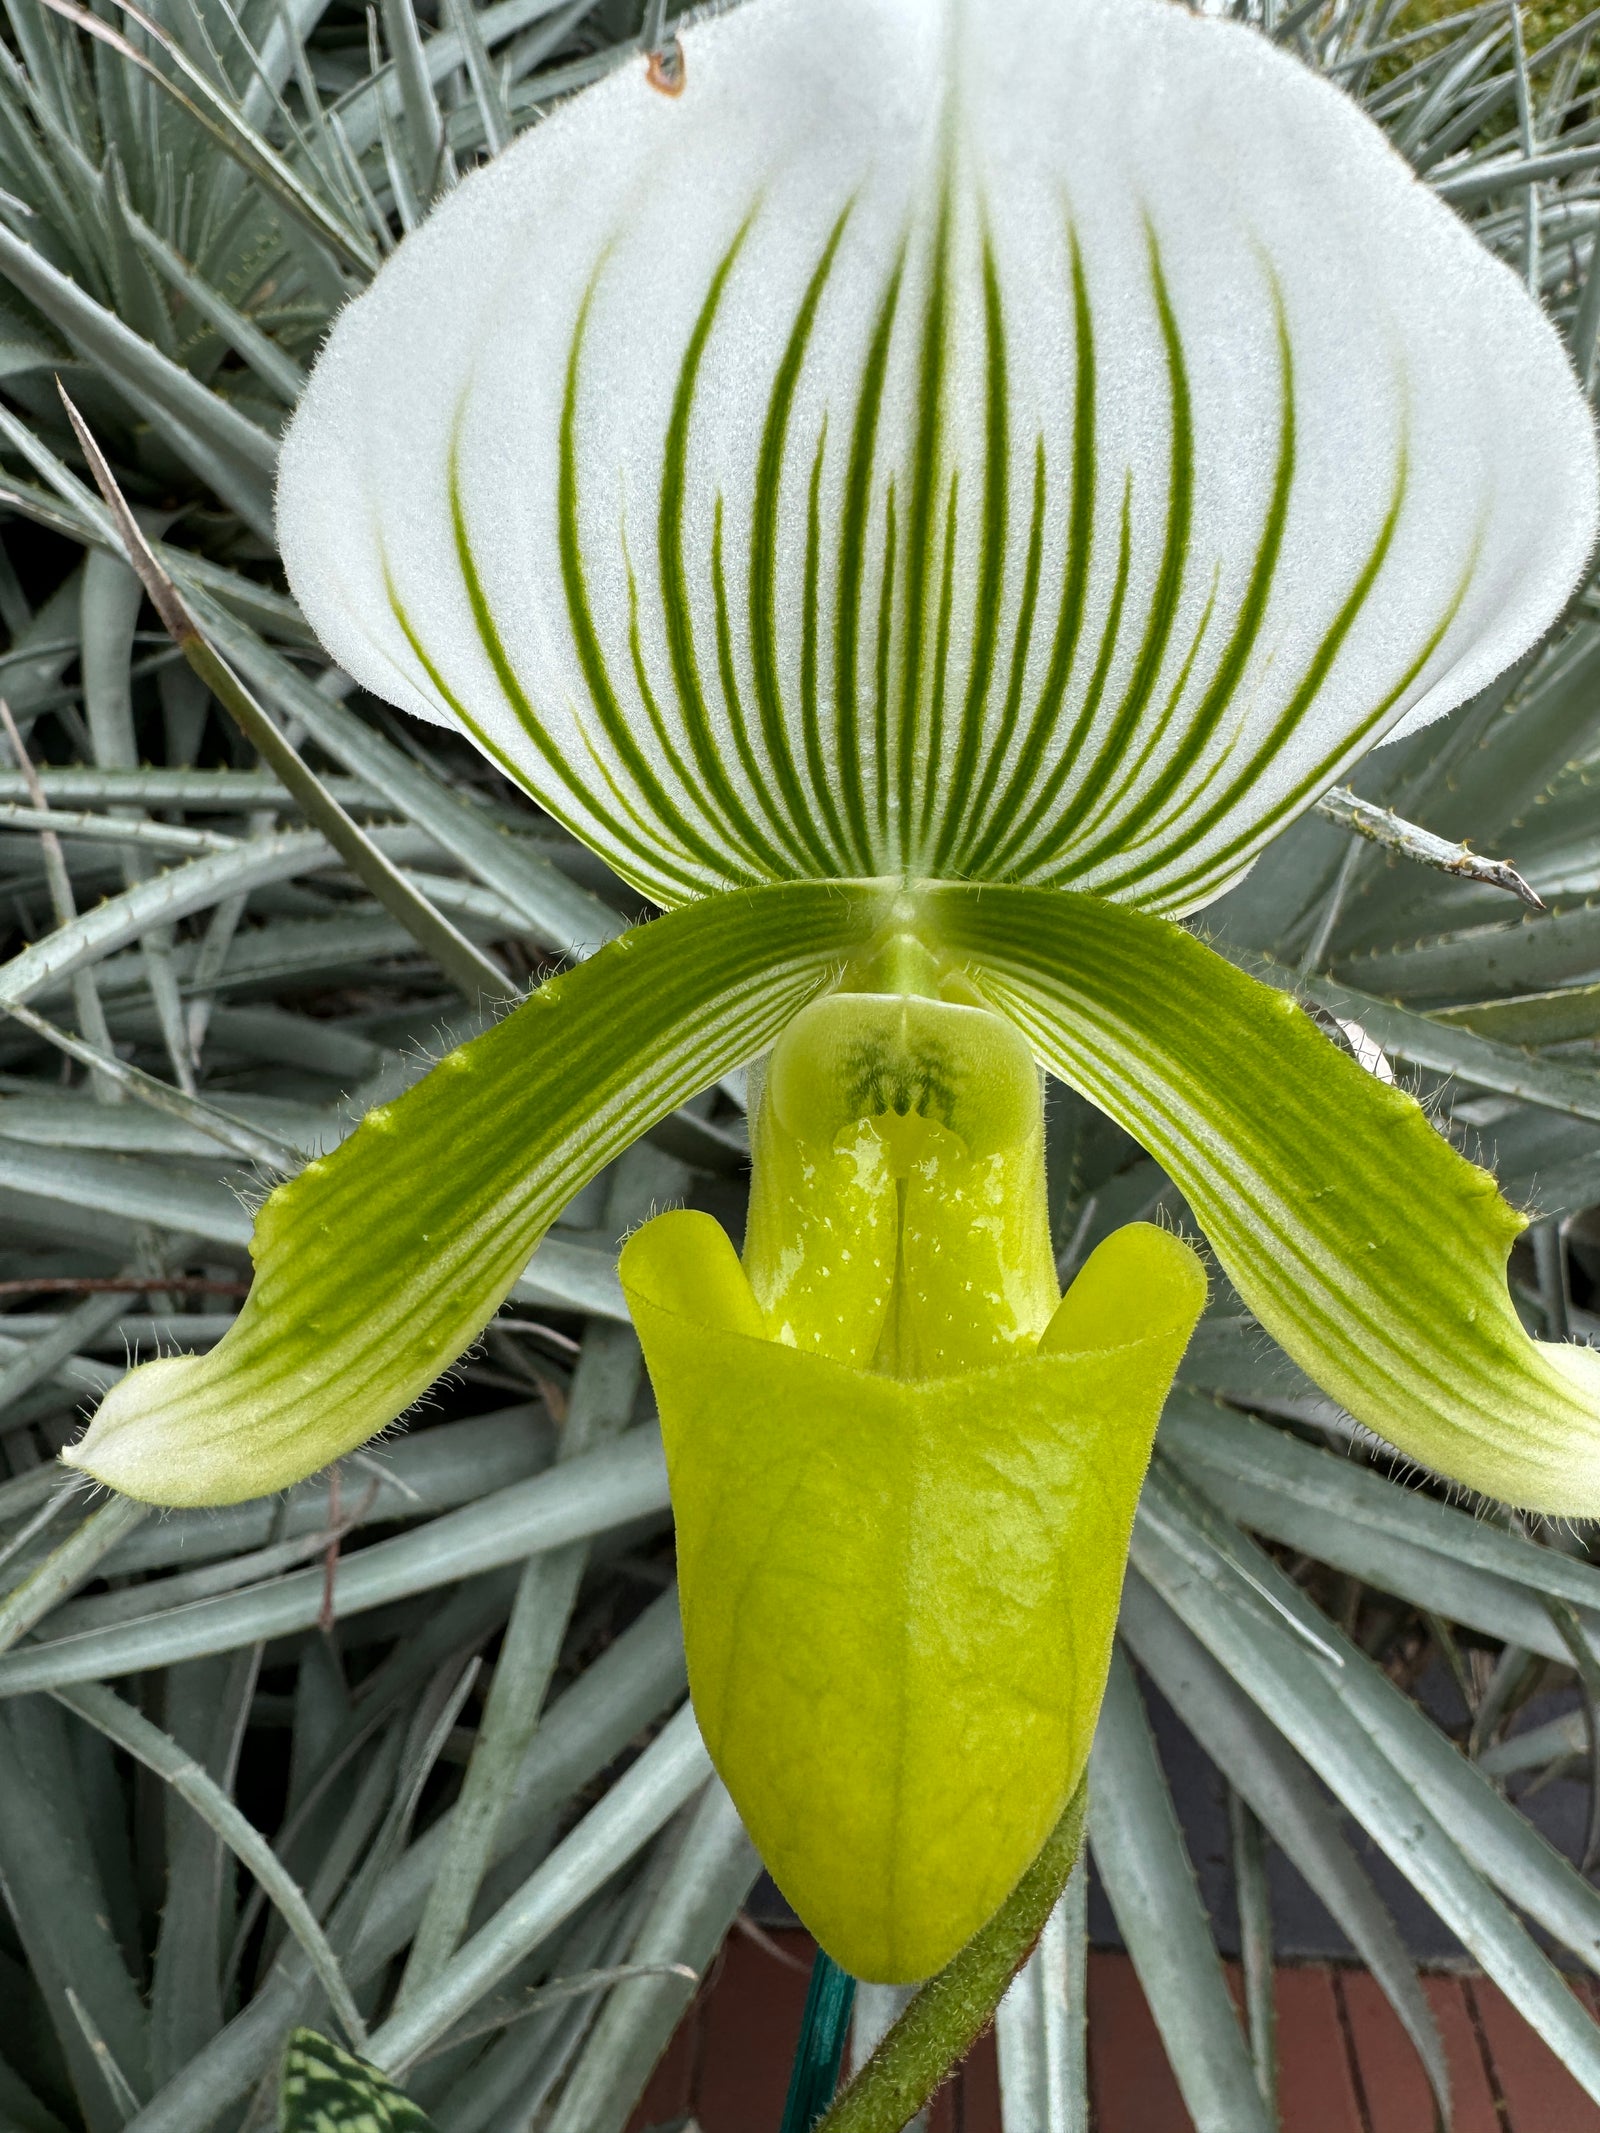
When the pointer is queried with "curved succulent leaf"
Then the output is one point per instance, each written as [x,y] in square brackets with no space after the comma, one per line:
[379,1263]
[1145,1868]
[1440,1821]
[1369,1249]
[1045,441]
[1280,1789]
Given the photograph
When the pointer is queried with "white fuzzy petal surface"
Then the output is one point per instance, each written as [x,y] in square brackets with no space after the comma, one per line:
[736,467]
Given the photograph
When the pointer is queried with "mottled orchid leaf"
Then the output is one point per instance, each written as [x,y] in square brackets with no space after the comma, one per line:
[1368,1247]
[326,2090]
[1033,440]
[381,1261]
[899,1593]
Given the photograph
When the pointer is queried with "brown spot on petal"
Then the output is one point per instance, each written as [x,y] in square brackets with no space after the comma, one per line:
[665,70]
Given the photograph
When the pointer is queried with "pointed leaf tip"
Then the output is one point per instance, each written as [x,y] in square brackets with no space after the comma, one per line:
[1069,438]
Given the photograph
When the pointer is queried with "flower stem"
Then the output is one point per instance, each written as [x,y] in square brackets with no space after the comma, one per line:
[952,2009]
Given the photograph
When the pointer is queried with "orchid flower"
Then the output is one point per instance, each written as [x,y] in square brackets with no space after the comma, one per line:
[927,500]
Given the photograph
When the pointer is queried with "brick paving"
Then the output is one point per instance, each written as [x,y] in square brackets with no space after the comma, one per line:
[1346,2064]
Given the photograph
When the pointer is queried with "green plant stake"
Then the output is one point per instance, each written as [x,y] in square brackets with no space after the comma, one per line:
[927,502]
[824,2029]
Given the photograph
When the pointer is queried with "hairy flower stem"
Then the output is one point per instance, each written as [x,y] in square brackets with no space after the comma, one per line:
[951,2010]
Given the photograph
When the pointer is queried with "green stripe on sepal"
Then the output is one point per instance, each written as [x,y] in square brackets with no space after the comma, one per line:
[1370,1250]
[326,2090]
[381,1262]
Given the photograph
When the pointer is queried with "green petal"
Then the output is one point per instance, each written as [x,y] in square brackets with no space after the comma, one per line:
[1369,1249]
[379,1263]
[1034,440]
[899,1594]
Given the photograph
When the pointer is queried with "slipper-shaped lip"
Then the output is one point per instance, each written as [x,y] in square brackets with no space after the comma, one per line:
[899,1594]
